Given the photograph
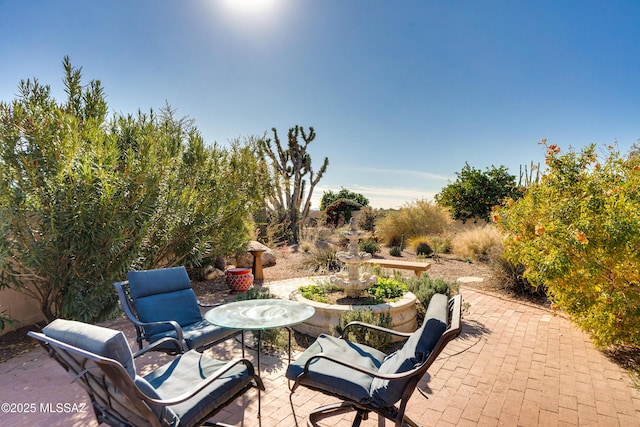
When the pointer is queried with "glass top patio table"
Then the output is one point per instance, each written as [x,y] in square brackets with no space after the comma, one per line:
[259,314]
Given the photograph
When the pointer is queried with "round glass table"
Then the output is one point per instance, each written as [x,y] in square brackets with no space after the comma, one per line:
[260,314]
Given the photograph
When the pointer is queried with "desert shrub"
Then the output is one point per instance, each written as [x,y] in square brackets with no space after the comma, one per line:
[511,278]
[367,219]
[372,338]
[477,242]
[395,251]
[424,287]
[329,197]
[440,244]
[324,260]
[340,211]
[416,219]
[370,246]
[421,245]
[577,232]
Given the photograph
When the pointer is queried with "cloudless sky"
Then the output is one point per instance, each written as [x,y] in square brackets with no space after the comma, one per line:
[401,93]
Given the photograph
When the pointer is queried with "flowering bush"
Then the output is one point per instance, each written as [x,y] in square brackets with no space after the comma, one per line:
[577,231]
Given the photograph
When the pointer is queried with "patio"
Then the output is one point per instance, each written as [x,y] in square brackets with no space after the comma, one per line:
[514,364]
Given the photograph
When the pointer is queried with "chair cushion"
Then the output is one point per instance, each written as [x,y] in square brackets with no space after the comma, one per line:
[104,342]
[185,372]
[150,282]
[164,413]
[199,334]
[164,294]
[413,353]
[334,378]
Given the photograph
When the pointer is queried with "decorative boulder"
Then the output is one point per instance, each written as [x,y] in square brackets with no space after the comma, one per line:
[245,259]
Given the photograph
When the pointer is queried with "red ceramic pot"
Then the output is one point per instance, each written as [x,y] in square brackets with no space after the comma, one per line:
[239,282]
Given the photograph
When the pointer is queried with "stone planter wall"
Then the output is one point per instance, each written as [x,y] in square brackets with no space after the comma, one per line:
[327,316]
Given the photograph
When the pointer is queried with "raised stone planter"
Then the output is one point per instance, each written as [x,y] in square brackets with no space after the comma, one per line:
[327,316]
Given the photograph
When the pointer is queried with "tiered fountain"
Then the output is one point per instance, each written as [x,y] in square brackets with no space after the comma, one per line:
[353,283]
[327,316]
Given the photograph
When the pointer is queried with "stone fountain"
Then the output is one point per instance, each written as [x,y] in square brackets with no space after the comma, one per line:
[327,316]
[353,282]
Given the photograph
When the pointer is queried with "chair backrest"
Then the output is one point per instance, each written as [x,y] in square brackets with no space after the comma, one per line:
[100,360]
[441,324]
[163,294]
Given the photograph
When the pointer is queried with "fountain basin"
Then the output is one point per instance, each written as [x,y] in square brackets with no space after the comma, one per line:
[327,316]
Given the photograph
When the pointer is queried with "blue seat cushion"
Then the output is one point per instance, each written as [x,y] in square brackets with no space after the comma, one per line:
[104,342]
[163,294]
[335,378]
[413,353]
[185,372]
[199,334]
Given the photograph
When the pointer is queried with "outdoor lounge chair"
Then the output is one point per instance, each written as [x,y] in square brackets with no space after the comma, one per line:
[368,380]
[161,303]
[187,391]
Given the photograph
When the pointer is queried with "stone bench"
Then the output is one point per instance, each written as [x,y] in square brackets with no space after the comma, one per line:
[417,267]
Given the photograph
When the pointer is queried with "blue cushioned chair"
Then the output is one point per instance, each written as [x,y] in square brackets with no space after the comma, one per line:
[187,391]
[367,380]
[161,304]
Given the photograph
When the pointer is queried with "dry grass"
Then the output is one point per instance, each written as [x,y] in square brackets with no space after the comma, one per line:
[477,242]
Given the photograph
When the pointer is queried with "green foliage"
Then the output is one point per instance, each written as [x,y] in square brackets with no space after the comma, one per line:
[370,246]
[289,168]
[340,211]
[329,197]
[318,292]
[395,251]
[474,192]
[424,287]
[372,338]
[387,289]
[416,219]
[367,219]
[578,233]
[84,199]
[254,292]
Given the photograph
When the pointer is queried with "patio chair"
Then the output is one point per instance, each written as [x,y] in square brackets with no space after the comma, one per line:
[161,303]
[187,391]
[367,380]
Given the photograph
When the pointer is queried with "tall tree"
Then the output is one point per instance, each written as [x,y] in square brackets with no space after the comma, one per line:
[291,199]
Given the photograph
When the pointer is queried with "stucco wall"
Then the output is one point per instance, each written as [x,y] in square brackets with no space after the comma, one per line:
[19,307]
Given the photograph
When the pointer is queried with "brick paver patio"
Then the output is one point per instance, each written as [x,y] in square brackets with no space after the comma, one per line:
[514,365]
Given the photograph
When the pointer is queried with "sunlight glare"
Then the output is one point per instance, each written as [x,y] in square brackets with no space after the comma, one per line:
[250,7]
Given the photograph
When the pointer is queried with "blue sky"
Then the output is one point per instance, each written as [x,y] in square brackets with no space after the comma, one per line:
[400,93]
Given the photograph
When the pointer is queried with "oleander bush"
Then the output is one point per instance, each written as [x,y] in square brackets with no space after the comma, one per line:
[85,198]
[577,232]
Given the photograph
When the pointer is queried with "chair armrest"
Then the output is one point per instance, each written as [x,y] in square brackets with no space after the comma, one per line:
[203,305]
[388,331]
[350,365]
[154,346]
[200,386]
